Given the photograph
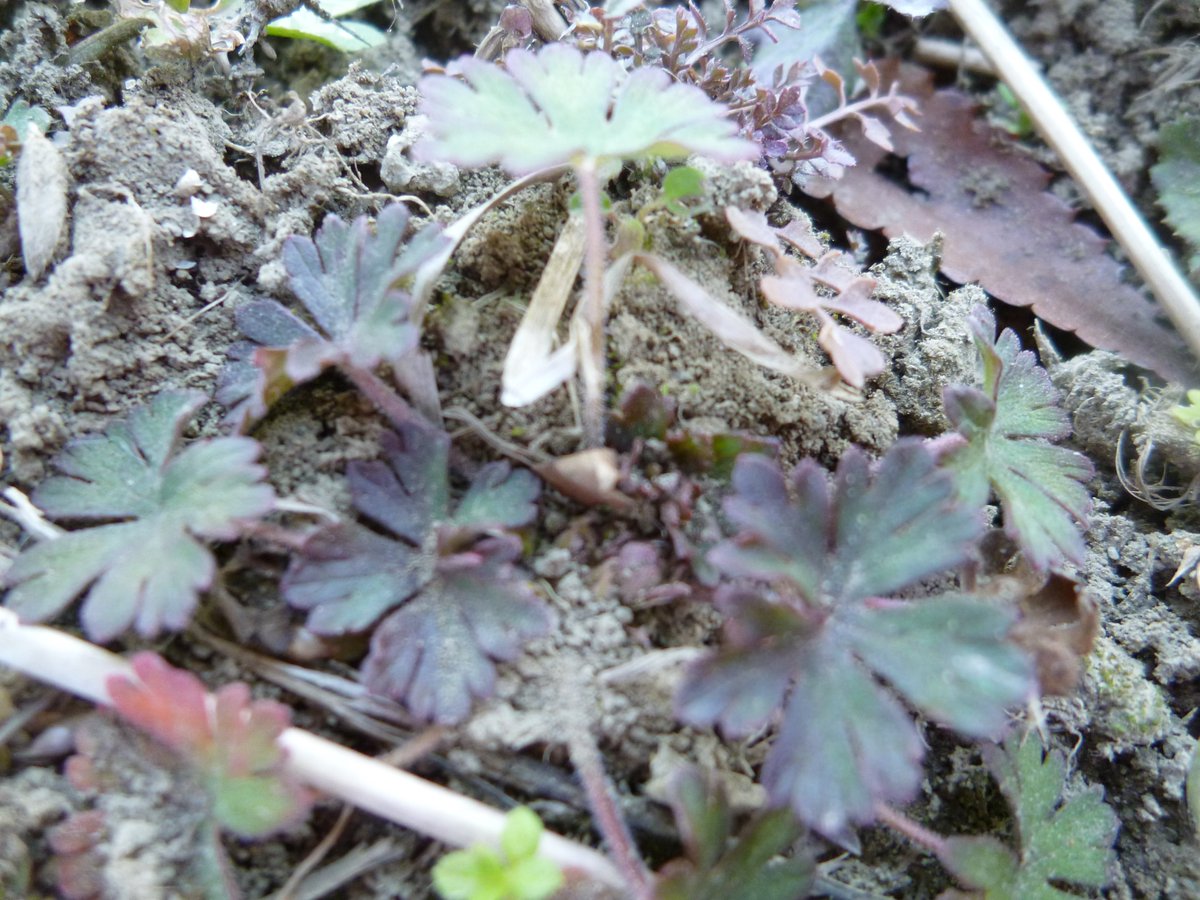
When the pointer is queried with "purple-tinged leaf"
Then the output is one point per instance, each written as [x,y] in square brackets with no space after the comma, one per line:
[351,279]
[817,646]
[452,603]
[347,577]
[844,744]
[1009,426]
[436,654]
[408,493]
[144,572]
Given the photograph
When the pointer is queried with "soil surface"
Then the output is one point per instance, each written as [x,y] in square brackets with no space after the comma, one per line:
[141,295]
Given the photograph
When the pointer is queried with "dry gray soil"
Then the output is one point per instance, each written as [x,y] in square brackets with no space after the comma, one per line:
[142,294]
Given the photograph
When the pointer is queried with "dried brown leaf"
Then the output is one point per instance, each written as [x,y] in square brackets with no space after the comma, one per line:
[1001,228]
[1058,624]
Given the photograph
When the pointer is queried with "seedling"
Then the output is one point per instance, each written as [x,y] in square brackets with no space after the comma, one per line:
[1189,413]
[562,107]
[1009,426]
[1060,839]
[229,741]
[459,602]
[812,641]
[144,570]
[717,865]
[515,873]
[351,280]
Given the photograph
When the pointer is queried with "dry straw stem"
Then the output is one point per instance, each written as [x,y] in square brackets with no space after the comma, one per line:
[75,665]
[1058,129]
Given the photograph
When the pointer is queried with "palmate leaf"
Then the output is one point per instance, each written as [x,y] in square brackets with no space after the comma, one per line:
[1009,426]
[1061,840]
[350,279]
[230,740]
[444,583]
[820,641]
[718,866]
[560,106]
[146,571]
[1177,178]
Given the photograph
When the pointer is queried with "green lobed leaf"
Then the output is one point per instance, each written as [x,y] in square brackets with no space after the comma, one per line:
[1009,449]
[479,873]
[145,572]
[820,640]
[562,106]
[717,867]
[230,741]
[1065,840]
[1177,179]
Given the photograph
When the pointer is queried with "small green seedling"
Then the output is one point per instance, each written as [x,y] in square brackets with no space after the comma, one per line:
[680,184]
[1009,114]
[1189,415]
[515,873]
[717,863]
[1060,839]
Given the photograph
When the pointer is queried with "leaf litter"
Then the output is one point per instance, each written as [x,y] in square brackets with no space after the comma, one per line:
[1001,228]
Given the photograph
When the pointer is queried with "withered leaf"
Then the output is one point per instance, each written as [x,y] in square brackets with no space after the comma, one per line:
[1001,228]
[1058,626]
[41,201]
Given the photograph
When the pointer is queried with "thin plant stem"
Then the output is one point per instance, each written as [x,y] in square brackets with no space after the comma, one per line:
[84,669]
[375,389]
[585,758]
[591,363]
[914,831]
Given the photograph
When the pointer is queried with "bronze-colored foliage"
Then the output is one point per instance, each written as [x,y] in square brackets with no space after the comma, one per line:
[1001,228]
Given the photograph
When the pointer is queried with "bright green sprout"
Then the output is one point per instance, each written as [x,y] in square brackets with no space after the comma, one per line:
[515,873]
[1190,415]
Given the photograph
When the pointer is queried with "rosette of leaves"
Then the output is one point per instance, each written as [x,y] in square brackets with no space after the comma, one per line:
[1009,425]
[1060,840]
[228,740]
[820,648]
[351,279]
[145,563]
[442,580]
